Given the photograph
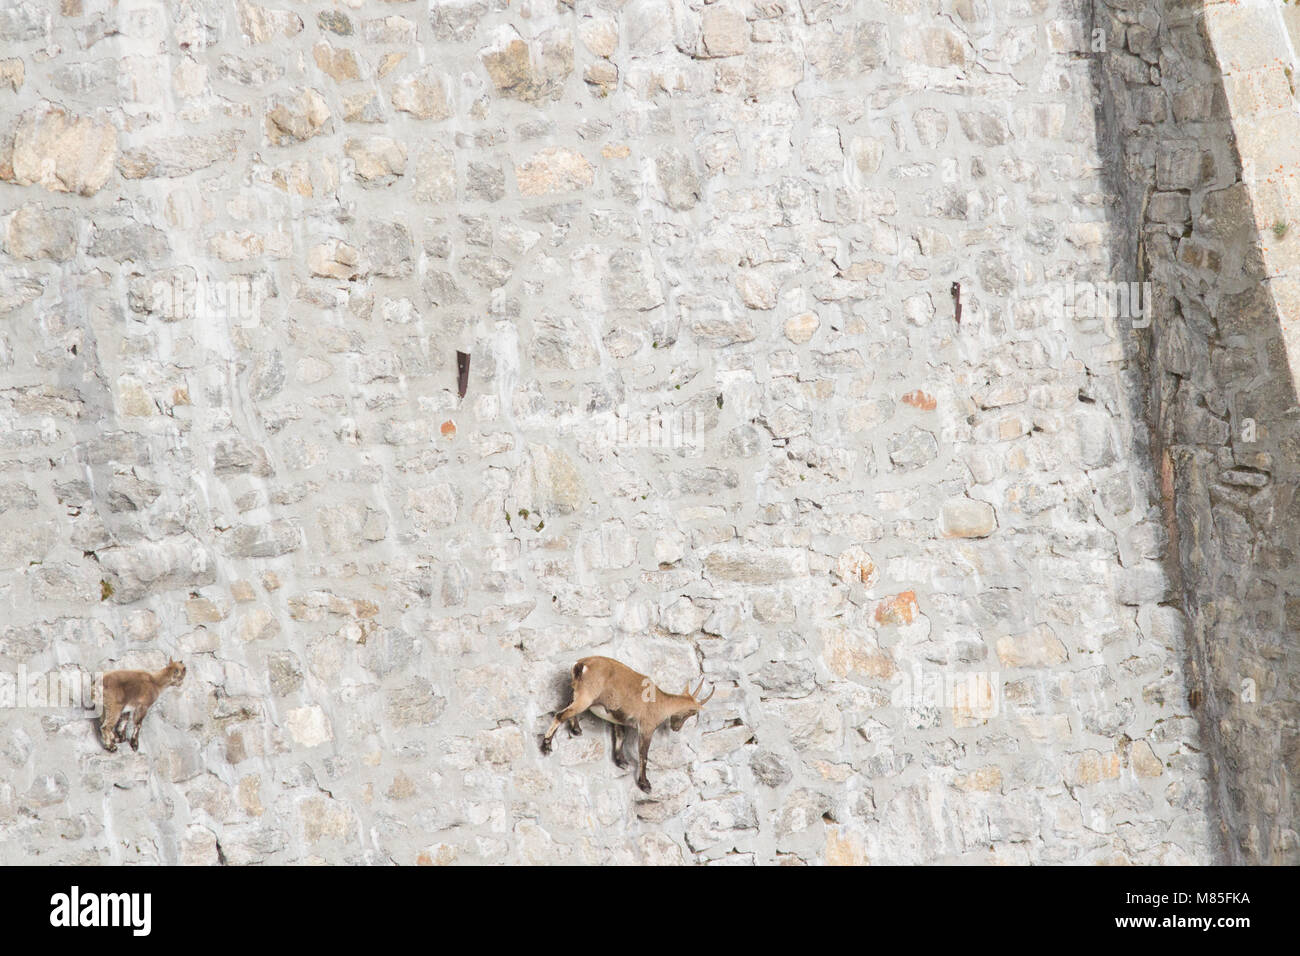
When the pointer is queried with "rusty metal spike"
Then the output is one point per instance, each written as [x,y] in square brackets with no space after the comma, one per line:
[462,372]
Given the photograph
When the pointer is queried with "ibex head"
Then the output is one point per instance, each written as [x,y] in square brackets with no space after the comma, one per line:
[175,672]
[692,706]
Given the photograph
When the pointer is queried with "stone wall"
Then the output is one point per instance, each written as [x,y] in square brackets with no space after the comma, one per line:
[1206,124]
[721,421]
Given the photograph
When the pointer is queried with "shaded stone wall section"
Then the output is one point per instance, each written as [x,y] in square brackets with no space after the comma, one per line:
[1205,120]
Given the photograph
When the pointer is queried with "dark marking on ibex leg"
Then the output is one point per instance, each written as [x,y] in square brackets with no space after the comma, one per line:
[619,733]
[125,719]
[550,732]
[644,749]
[136,721]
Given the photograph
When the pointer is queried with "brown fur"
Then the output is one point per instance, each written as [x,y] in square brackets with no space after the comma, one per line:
[128,695]
[631,700]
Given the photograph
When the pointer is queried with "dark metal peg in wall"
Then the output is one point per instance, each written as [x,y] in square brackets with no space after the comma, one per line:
[462,373]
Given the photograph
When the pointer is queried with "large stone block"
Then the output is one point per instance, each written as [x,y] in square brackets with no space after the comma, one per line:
[63,152]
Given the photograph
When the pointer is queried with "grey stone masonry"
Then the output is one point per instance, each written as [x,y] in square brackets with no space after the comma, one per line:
[721,421]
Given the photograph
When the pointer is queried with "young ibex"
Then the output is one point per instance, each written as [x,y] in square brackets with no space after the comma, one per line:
[616,693]
[128,695]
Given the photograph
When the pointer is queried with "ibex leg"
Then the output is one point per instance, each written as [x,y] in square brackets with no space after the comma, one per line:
[136,721]
[644,748]
[619,733]
[580,703]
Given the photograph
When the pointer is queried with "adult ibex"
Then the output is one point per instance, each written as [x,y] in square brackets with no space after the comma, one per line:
[618,694]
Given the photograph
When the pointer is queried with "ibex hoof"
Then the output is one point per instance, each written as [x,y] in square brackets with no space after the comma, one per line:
[111,748]
[644,784]
[135,745]
[546,746]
